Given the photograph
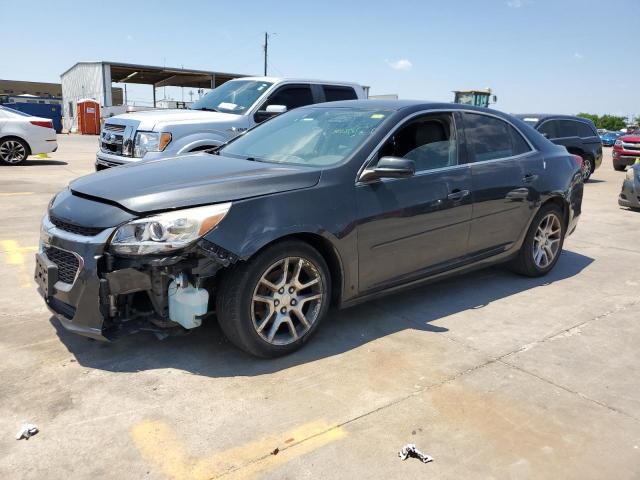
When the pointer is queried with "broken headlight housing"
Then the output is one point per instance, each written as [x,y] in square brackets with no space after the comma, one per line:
[168,231]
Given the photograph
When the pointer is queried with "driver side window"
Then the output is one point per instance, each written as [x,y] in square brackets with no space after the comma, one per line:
[428,140]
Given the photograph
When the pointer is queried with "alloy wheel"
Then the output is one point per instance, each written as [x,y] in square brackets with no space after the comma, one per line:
[287,300]
[586,169]
[12,151]
[546,242]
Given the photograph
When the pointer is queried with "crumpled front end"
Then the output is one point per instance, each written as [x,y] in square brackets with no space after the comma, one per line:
[103,296]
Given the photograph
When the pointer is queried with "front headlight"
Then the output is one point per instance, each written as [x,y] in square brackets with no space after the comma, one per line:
[618,143]
[166,232]
[631,173]
[150,142]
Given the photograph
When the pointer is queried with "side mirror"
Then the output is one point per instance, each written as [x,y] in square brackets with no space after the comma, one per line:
[389,167]
[271,111]
[276,109]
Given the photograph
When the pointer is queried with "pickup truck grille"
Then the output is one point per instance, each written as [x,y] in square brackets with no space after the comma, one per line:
[630,146]
[112,138]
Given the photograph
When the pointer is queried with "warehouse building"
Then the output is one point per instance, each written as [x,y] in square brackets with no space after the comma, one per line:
[93,80]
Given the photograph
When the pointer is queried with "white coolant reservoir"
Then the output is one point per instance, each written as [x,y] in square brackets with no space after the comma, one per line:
[186,303]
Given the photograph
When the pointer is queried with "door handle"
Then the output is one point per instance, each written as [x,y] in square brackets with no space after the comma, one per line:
[529,177]
[458,194]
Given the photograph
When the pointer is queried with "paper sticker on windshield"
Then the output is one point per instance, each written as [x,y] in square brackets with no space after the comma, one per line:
[529,119]
[227,106]
[377,115]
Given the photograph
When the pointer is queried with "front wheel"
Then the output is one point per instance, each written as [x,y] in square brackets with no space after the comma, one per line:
[542,246]
[618,167]
[272,304]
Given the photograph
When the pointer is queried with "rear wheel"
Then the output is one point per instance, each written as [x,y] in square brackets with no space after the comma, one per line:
[13,151]
[543,244]
[588,166]
[271,305]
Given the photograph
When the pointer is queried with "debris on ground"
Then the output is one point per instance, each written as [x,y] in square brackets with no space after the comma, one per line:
[410,450]
[28,430]
[276,451]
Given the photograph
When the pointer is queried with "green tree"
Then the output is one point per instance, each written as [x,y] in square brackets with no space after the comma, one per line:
[612,122]
[594,118]
[608,122]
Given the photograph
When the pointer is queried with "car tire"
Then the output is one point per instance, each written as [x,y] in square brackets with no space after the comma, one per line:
[13,151]
[268,314]
[541,244]
[587,168]
[618,168]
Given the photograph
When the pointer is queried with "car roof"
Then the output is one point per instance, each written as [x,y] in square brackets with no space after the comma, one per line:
[295,79]
[398,105]
[546,116]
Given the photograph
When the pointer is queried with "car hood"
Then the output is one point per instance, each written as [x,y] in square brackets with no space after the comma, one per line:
[191,180]
[148,119]
[630,138]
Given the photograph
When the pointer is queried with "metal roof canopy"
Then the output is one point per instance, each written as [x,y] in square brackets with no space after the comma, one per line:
[167,76]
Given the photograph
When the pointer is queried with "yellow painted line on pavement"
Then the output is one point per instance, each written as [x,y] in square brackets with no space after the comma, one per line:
[14,194]
[160,447]
[15,254]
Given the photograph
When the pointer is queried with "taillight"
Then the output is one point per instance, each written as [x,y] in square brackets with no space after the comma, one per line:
[578,160]
[42,123]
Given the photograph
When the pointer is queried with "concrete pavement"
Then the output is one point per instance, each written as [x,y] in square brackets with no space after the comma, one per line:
[494,375]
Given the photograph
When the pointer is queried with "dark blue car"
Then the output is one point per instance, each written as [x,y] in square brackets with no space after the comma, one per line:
[609,138]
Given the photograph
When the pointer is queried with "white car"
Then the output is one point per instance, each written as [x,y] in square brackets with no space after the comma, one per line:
[22,135]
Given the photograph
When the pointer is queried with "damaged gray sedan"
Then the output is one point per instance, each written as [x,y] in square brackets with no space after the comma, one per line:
[326,204]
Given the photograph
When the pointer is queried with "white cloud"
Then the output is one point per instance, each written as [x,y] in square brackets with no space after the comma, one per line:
[578,56]
[402,64]
[517,3]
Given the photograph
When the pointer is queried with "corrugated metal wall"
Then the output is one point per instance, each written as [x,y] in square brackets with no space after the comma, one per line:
[83,80]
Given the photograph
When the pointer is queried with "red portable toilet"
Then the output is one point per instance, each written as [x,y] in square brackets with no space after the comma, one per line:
[88,117]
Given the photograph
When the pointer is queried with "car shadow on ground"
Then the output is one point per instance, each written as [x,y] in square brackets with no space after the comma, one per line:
[205,351]
[36,162]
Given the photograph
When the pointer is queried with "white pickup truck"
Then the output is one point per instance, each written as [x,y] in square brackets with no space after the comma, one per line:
[223,113]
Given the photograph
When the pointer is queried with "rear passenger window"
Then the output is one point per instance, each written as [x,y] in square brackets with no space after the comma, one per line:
[585,130]
[293,96]
[567,128]
[334,93]
[490,138]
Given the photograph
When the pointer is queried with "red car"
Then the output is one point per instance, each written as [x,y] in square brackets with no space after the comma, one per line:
[626,150]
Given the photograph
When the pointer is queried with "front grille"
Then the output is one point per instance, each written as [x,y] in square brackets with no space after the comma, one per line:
[66,262]
[77,229]
[114,128]
[112,138]
[630,146]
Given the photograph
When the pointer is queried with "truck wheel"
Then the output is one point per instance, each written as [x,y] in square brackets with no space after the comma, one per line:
[542,246]
[272,304]
[619,168]
[13,151]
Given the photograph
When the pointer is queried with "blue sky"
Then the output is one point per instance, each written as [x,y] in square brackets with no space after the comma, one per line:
[561,56]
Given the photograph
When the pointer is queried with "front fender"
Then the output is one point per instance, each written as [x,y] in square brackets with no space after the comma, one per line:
[196,141]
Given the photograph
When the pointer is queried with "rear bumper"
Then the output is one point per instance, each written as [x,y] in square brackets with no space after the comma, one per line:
[43,146]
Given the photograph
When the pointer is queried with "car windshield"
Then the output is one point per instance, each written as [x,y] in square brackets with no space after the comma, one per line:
[310,136]
[235,96]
